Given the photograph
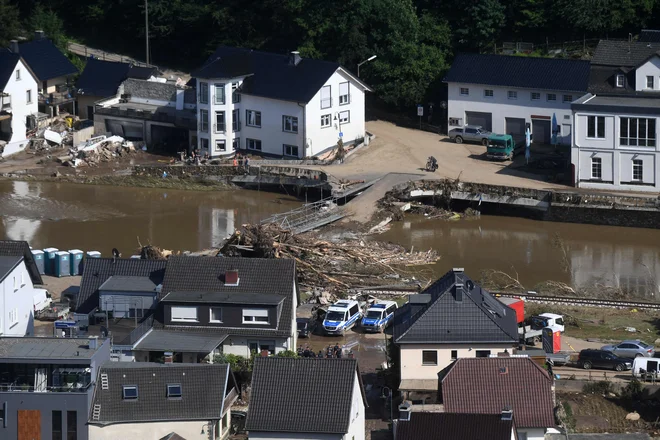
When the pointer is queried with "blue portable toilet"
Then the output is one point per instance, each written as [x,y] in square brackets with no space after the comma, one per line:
[49,257]
[89,254]
[76,256]
[39,260]
[62,264]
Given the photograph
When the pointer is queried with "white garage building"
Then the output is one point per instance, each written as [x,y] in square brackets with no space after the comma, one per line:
[506,94]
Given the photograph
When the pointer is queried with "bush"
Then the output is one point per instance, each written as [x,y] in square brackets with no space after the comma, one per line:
[632,391]
[600,387]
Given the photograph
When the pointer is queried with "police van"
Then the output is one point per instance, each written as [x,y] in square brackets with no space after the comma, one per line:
[342,316]
[379,315]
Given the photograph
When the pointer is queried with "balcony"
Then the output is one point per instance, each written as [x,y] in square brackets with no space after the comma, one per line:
[53,379]
[179,118]
[64,95]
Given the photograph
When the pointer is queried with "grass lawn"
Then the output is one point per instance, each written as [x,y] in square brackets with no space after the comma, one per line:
[602,323]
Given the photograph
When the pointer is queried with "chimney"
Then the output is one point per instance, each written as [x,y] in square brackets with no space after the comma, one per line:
[458,270]
[179,99]
[13,46]
[404,411]
[39,35]
[93,343]
[507,413]
[231,278]
[458,295]
[294,58]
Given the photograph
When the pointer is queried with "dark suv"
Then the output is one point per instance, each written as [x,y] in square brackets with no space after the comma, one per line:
[603,359]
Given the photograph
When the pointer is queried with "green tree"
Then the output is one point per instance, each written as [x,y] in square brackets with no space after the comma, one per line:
[9,22]
[599,17]
[478,27]
[48,21]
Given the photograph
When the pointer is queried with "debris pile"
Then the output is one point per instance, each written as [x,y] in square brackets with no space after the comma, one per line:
[335,265]
[150,252]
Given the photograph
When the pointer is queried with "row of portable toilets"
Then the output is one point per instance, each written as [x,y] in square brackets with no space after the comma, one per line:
[57,263]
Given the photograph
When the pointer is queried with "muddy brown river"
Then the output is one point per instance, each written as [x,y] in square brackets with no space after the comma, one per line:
[89,217]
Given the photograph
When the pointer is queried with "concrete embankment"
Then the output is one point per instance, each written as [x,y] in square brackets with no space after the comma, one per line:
[550,205]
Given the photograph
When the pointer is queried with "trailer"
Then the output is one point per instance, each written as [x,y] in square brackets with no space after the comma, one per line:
[55,312]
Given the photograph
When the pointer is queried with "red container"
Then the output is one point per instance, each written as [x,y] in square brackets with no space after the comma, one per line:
[518,305]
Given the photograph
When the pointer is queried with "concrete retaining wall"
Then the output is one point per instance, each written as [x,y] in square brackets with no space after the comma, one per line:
[185,171]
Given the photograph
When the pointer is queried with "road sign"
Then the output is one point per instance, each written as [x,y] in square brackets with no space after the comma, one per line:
[420,110]
[341,134]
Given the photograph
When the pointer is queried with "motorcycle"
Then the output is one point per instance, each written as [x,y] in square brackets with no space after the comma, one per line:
[431,164]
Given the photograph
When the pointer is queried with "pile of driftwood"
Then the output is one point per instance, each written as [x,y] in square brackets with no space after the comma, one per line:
[339,264]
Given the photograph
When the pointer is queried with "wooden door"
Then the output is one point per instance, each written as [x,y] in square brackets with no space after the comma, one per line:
[29,424]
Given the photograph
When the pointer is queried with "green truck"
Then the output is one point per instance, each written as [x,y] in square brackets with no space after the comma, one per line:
[501,147]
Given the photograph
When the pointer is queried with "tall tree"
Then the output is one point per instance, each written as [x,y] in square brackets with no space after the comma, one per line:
[48,21]
[9,22]
[479,24]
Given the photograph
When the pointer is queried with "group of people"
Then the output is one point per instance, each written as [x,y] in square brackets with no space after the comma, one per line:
[242,161]
[330,352]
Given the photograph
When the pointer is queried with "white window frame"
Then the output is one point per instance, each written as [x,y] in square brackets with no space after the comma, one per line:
[184,318]
[289,124]
[222,126]
[597,163]
[535,96]
[464,91]
[22,279]
[15,284]
[13,317]
[326,121]
[345,98]
[259,343]
[251,117]
[620,82]
[327,101]
[652,79]
[512,94]
[487,95]
[597,124]
[236,120]
[220,145]
[551,97]
[18,74]
[291,147]
[235,96]
[203,120]
[215,321]
[345,117]
[567,98]
[254,142]
[203,93]
[255,316]
[638,164]
[219,100]
[649,137]
[28,96]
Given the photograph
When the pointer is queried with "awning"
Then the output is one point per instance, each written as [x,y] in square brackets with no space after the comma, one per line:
[181,342]
[419,385]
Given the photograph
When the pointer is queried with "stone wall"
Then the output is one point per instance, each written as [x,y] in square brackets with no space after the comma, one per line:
[186,171]
[622,216]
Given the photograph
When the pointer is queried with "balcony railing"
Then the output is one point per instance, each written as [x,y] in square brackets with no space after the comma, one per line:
[62,96]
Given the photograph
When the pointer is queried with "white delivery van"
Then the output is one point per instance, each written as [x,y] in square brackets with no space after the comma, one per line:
[41,299]
[650,365]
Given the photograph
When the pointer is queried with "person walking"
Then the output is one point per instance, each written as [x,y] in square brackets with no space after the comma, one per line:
[247,165]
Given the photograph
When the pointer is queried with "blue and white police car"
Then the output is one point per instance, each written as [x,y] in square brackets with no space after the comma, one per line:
[342,316]
[379,315]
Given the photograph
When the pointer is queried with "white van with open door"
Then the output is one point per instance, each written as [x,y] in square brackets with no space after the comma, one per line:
[41,299]
[645,364]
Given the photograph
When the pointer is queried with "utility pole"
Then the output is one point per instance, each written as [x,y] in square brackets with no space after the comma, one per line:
[146,26]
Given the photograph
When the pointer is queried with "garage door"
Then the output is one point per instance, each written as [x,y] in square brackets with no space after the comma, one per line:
[541,131]
[477,118]
[516,128]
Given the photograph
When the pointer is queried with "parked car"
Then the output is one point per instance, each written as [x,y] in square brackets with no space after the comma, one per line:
[602,359]
[631,349]
[305,326]
[470,133]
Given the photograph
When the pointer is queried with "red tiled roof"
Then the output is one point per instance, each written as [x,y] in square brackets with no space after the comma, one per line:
[478,385]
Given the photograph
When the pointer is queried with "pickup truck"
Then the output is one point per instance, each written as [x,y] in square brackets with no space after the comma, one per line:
[470,133]
[532,330]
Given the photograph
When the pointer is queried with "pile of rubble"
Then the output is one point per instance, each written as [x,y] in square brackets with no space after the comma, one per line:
[107,150]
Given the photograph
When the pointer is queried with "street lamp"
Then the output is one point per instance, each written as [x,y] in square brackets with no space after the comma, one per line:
[371,58]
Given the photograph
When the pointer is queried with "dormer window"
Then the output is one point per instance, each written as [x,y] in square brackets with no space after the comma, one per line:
[619,80]
[255,316]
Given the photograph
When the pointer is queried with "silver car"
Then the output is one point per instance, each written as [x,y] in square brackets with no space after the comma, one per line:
[631,349]
[470,133]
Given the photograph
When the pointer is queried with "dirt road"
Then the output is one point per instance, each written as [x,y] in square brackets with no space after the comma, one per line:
[403,150]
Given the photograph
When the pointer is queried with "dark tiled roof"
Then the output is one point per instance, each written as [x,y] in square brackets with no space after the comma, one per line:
[270,75]
[602,79]
[476,385]
[224,298]
[479,317]
[150,90]
[138,72]
[8,62]
[449,426]
[7,264]
[650,36]
[46,348]
[172,436]
[14,248]
[128,284]
[516,71]
[101,78]
[620,53]
[97,270]
[302,395]
[203,387]
[45,59]
[188,342]
[256,276]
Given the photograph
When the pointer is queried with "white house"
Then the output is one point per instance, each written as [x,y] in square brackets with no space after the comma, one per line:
[616,125]
[507,94]
[149,401]
[18,102]
[16,300]
[306,398]
[276,105]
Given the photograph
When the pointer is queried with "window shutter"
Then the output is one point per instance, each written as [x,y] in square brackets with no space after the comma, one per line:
[343,88]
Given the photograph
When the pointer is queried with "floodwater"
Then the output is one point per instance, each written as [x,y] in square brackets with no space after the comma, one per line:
[536,251]
[90,217]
